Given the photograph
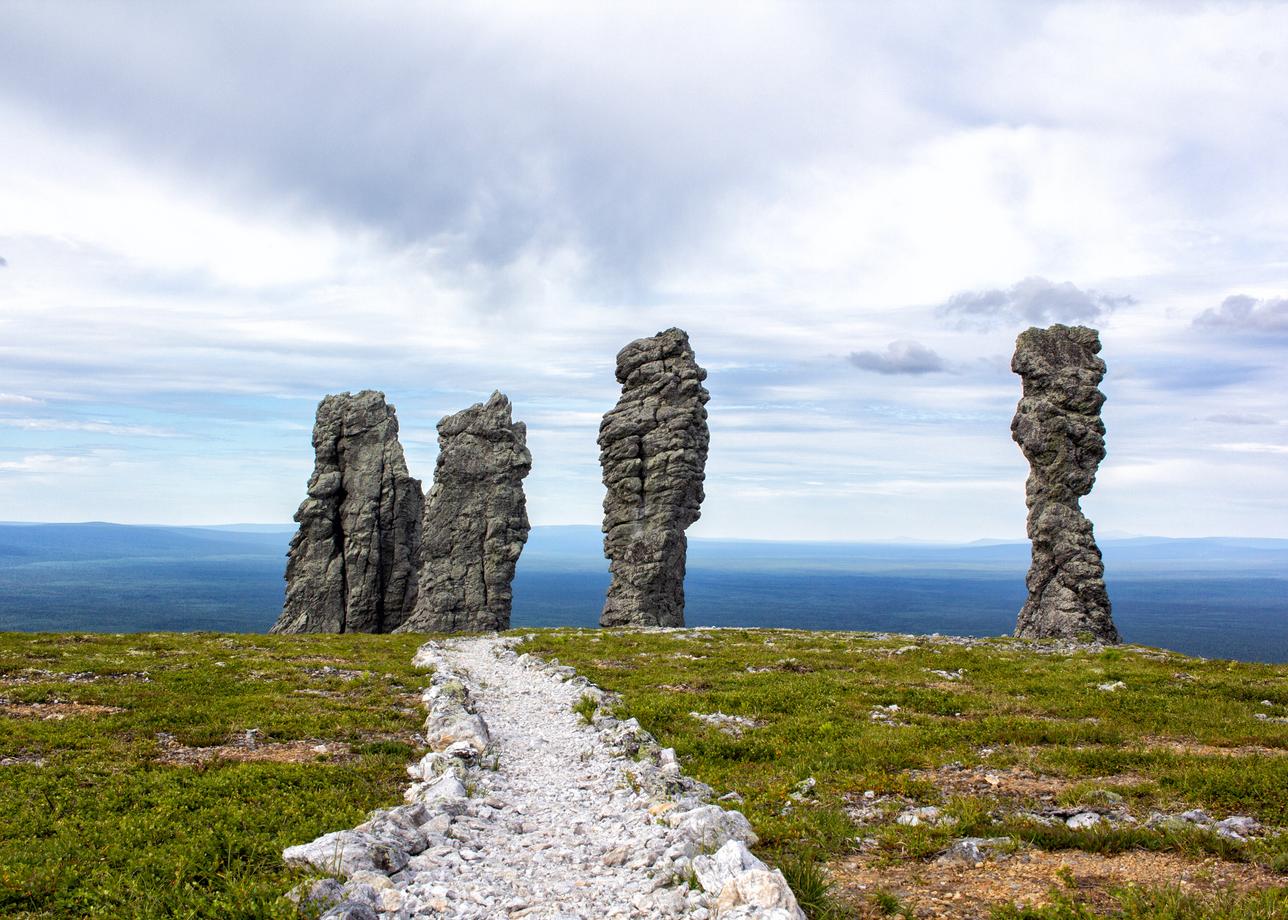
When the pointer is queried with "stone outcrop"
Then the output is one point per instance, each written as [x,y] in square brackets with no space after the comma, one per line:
[476,522]
[1058,426]
[352,564]
[653,450]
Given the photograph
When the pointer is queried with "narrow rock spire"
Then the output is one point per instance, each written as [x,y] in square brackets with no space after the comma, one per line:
[1057,425]
[653,450]
[352,564]
[476,521]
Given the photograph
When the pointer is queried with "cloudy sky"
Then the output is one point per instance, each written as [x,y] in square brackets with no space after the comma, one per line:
[212,214]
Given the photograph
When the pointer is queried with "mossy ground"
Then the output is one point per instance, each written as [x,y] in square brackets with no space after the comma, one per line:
[1034,729]
[100,817]
[96,819]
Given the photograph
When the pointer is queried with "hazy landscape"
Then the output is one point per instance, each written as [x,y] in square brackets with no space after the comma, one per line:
[1212,597]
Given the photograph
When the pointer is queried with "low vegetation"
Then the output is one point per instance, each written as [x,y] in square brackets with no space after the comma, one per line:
[998,737]
[160,775]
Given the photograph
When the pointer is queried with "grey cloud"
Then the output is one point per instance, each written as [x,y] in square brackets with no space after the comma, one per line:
[1241,313]
[3,261]
[1035,301]
[1238,418]
[482,136]
[902,357]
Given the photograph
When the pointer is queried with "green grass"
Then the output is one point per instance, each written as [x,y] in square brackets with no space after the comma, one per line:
[1012,708]
[105,829]
[1160,903]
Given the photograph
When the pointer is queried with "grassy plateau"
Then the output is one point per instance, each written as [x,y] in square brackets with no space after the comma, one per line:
[160,775]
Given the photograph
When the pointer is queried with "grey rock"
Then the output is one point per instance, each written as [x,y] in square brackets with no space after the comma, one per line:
[352,565]
[727,863]
[1084,820]
[1240,825]
[351,910]
[314,897]
[346,852]
[476,522]
[972,850]
[1057,425]
[653,450]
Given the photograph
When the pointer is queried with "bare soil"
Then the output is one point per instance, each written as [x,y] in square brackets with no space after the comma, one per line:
[956,891]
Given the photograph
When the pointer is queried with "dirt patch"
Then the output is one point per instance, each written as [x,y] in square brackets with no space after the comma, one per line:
[1014,782]
[1181,746]
[22,760]
[964,892]
[247,749]
[54,710]
[40,676]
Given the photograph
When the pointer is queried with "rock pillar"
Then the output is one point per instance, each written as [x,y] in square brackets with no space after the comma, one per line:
[476,522]
[653,450]
[351,566]
[1057,425]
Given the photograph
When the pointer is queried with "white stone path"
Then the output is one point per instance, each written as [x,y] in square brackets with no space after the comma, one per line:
[556,821]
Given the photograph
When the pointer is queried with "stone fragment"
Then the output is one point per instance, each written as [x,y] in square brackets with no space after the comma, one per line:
[476,522]
[711,826]
[346,852]
[717,870]
[314,897]
[1084,821]
[351,566]
[972,850]
[1057,425]
[653,450]
[762,894]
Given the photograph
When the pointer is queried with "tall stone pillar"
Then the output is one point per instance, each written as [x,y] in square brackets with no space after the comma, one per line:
[476,522]
[653,450]
[1057,425]
[351,566]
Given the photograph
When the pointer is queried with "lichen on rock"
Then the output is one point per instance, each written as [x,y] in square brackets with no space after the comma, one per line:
[1058,427]
[476,522]
[352,564]
[653,450]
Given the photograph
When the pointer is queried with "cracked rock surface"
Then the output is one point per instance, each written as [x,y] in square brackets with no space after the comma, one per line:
[653,450]
[523,809]
[476,522]
[1058,427]
[351,566]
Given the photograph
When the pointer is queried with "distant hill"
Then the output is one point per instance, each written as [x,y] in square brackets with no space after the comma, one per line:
[1219,597]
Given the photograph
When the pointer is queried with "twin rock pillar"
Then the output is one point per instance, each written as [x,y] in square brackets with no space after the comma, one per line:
[360,561]
[653,450]
[1057,425]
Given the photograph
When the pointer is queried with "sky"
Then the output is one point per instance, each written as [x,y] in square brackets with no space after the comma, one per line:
[213,214]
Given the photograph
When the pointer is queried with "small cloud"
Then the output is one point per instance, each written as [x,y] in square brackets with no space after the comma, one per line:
[1251,447]
[3,261]
[1241,313]
[902,357]
[1036,301]
[1241,419]
[14,399]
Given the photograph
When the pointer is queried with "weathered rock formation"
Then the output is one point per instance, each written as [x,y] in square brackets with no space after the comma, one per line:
[352,564]
[1058,426]
[653,449]
[476,521]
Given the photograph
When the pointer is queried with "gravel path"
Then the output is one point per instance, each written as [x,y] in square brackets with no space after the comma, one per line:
[560,832]
[523,809]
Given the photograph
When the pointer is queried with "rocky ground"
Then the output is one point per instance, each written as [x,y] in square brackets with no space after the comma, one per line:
[536,802]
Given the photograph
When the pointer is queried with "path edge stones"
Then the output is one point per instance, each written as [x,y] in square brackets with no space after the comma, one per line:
[363,864]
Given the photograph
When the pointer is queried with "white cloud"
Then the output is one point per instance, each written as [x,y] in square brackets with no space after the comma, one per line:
[539,185]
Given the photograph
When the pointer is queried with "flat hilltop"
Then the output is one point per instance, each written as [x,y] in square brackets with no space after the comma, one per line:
[162,774]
